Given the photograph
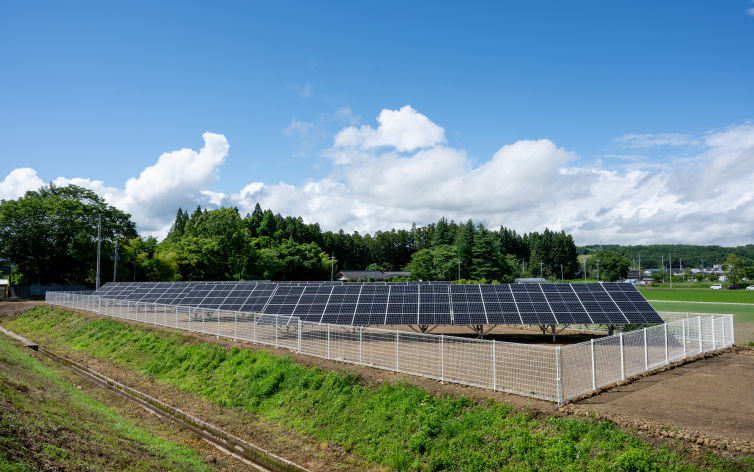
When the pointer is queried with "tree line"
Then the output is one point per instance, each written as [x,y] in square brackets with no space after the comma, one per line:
[49,235]
[655,255]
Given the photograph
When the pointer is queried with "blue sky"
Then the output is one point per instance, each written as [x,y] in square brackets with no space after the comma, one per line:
[97,92]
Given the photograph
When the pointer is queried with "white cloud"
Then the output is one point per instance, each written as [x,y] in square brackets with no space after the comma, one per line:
[653,140]
[178,178]
[18,182]
[403,129]
[750,11]
[298,128]
[527,186]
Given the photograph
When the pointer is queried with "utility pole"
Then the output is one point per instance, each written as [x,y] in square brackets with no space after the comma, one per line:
[115,262]
[585,270]
[670,265]
[598,269]
[540,269]
[99,239]
[332,267]
[662,263]
[561,273]
[134,263]
[459,269]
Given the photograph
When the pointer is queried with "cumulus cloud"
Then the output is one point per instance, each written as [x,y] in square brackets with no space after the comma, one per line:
[18,182]
[179,178]
[403,172]
[404,129]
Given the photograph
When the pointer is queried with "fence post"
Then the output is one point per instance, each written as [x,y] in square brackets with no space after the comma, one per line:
[189,318]
[442,358]
[701,346]
[732,331]
[594,374]
[235,326]
[714,341]
[622,363]
[203,316]
[397,361]
[328,341]
[494,368]
[361,344]
[683,337]
[560,375]
[722,324]
[646,355]
[666,344]
[299,335]
[255,327]
[276,330]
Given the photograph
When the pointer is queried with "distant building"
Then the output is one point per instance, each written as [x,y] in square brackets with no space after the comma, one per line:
[531,280]
[4,288]
[378,275]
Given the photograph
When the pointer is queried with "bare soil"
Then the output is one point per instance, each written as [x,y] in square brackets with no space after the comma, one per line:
[712,395]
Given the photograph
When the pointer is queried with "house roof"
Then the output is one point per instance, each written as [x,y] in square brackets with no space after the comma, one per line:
[531,280]
[377,274]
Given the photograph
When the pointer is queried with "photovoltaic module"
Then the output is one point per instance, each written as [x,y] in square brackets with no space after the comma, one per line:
[405,303]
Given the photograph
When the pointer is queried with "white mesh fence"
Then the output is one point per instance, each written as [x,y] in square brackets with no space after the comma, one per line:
[549,373]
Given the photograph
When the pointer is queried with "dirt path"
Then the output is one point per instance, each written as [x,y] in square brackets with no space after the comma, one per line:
[712,395]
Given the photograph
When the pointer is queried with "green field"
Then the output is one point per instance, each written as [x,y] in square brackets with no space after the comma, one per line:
[699,295]
[743,315]
[395,425]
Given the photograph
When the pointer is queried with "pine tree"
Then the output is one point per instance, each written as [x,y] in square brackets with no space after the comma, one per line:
[465,245]
[487,263]
[442,233]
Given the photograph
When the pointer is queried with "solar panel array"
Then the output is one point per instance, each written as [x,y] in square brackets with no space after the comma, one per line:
[405,303]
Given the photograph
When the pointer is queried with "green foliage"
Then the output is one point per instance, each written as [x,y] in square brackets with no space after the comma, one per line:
[612,266]
[51,234]
[393,425]
[437,263]
[374,266]
[690,255]
[734,267]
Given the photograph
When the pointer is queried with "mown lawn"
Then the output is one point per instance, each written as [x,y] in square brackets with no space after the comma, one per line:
[699,295]
[48,424]
[396,425]
[743,315]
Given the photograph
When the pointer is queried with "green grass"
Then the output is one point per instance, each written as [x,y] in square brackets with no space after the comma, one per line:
[699,295]
[46,422]
[396,425]
[743,315]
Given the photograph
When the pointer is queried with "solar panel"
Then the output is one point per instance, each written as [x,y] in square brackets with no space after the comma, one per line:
[405,303]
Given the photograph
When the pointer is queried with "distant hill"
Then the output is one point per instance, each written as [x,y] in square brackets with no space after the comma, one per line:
[691,256]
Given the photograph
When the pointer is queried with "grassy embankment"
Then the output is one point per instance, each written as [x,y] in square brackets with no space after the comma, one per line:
[48,424]
[397,425]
